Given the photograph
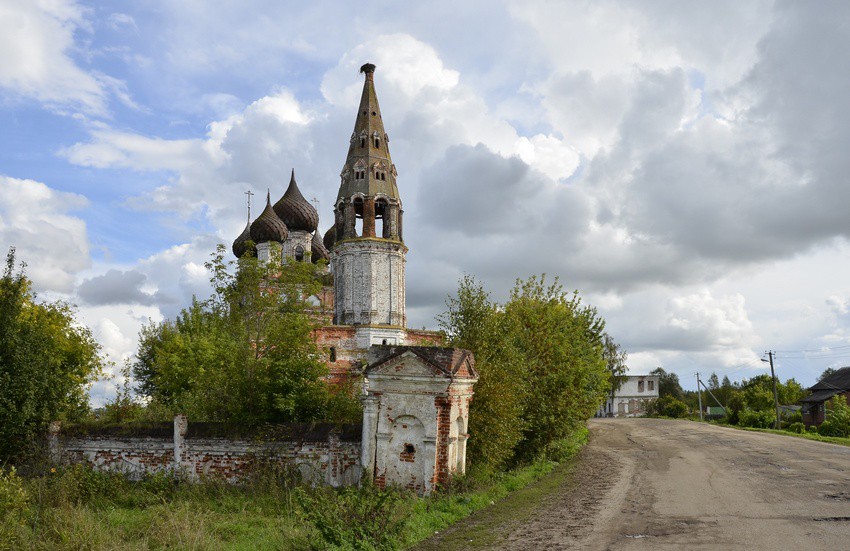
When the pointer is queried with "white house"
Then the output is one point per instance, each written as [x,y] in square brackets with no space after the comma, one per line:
[629,400]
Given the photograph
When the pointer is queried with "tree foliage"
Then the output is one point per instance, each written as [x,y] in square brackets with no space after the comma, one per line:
[46,361]
[668,384]
[541,362]
[246,354]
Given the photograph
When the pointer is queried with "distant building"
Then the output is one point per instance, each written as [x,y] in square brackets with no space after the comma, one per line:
[814,405]
[630,399]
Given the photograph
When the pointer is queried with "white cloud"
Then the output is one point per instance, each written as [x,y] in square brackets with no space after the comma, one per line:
[34,219]
[36,41]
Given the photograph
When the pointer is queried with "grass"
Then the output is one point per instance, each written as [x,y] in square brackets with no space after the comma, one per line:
[805,435]
[77,508]
[433,515]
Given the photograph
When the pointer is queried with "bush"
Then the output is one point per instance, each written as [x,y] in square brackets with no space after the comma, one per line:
[666,406]
[14,508]
[799,428]
[838,416]
[812,428]
[756,419]
[827,429]
[365,518]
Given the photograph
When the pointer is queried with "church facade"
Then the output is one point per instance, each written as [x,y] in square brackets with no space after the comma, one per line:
[416,393]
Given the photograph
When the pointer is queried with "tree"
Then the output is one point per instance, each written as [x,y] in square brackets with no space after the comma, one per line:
[713,382]
[541,366]
[560,340]
[668,384]
[472,321]
[246,354]
[615,361]
[826,373]
[47,359]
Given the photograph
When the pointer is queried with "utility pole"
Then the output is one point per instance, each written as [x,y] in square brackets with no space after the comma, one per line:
[775,395]
[699,398]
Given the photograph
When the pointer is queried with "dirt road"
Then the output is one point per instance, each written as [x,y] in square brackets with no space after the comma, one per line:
[660,484]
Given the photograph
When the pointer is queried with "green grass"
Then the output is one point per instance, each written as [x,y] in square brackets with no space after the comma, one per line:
[76,508]
[805,435]
[435,514]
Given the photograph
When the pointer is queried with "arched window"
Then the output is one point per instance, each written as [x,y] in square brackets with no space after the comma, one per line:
[377,142]
[383,175]
[381,224]
[333,353]
[362,142]
[299,253]
[358,216]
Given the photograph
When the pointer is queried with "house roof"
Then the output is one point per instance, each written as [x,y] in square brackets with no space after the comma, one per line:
[835,383]
[450,361]
[820,395]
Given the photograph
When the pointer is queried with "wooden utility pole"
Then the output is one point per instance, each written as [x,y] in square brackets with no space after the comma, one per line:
[699,398]
[775,395]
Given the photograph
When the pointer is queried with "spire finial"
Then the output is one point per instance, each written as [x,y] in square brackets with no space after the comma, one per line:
[248,195]
[268,196]
[292,178]
[369,69]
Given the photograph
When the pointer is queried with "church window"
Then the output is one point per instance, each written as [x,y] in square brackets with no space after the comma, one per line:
[383,175]
[650,385]
[299,253]
[333,353]
[362,142]
[384,342]
[374,113]
[377,142]
[640,386]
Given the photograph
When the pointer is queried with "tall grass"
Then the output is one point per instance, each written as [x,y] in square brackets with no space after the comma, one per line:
[75,507]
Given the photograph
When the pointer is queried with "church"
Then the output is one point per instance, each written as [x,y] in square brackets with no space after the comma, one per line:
[416,393]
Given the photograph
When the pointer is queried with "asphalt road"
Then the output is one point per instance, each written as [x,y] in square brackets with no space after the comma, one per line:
[663,484]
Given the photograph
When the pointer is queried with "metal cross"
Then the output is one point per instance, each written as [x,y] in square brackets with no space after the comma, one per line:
[249,194]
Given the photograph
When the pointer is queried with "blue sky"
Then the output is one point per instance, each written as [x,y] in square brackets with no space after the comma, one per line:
[683,164]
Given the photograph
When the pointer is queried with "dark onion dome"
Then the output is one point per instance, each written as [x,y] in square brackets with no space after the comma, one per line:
[330,238]
[295,211]
[318,249]
[267,226]
[240,246]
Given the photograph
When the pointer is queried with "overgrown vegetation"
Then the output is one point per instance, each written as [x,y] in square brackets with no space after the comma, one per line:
[47,360]
[246,354]
[542,365]
[77,508]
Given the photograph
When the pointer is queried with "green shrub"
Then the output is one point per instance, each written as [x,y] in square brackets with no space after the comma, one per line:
[666,406]
[812,429]
[14,508]
[799,428]
[838,415]
[828,429]
[756,419]
[365,518]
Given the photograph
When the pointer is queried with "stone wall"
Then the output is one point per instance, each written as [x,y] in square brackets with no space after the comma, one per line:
[322,453]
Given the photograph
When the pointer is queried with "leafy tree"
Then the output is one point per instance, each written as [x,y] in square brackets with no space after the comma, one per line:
[541,365]
[472,321]
[560,340]
[826,373]
[246,354]
[713,383]
[46,361]
[668,384]
[615,360]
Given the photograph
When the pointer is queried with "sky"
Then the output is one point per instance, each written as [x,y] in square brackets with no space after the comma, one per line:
[683,164]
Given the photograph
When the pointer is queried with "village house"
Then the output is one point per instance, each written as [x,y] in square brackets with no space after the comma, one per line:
[630,399]
[814,405]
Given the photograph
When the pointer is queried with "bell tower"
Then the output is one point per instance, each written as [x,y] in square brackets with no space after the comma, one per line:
[368,251]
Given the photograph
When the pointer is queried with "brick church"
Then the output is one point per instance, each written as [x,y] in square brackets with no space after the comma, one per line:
[416,394]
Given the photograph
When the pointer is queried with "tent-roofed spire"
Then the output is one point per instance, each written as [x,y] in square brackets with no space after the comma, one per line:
[368,167]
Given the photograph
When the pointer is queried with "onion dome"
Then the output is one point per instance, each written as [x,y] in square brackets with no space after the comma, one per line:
[240,245]
[330,238]
[318,249]
[267,226]
[295,211]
